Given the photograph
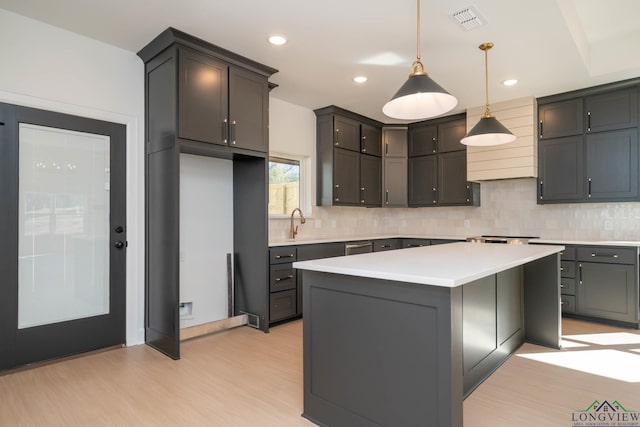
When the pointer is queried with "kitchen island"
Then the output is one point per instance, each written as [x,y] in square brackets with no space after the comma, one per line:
[399,338]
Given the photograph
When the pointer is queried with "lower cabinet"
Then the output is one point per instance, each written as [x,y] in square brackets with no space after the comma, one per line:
[285,284]
[607,291]
[600,282]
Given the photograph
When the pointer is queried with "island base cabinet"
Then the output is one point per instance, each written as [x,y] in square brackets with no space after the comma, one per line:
[381,353]
[607,291]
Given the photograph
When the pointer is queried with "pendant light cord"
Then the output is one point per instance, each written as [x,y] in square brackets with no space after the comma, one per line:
[486,82]
[418,33]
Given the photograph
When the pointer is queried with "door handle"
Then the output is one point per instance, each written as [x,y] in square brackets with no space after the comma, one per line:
[119,244]
[119,229]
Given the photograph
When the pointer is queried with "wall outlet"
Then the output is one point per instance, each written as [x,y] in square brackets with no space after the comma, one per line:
[186,309]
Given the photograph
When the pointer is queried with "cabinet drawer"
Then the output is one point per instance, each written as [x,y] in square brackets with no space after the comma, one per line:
[386,245]
[282,254]
[567,286]
[607,255]
[414,243]
[282,305]
[568,303]
[283,277]
[569,254]
[567,269]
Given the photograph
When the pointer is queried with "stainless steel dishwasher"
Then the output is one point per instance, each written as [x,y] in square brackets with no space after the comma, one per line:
[361,247]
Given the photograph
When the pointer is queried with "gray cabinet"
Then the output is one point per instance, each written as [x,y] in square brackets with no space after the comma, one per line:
[561,169]
[371,140]
[568,279]
[221,104]
[394,167]
[282,283]
[438,164]
[386,244]
[612,165]
[370,182]
[588,145]
[349,168]
[190,86]
[346,177]
[607,283]
[423,181]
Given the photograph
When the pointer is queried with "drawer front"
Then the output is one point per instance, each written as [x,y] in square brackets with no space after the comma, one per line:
[567,286]
[386,244]
[568,303]
[283,277]
[282,254]
[569,254]
[607,254]
[282,305]
[414,243]
[320,250]
[567,269]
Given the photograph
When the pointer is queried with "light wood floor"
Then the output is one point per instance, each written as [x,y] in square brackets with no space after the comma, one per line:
[244,377]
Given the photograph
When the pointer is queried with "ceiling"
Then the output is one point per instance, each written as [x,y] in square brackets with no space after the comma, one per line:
[550,46]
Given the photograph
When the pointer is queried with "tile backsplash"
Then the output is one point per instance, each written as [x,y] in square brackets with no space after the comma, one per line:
[508,207]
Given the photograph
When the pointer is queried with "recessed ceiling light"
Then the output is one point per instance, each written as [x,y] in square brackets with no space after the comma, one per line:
[360,79]
[277,40]
[510,82]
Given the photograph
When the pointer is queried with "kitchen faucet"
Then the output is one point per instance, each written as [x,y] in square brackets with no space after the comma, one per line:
[294,231]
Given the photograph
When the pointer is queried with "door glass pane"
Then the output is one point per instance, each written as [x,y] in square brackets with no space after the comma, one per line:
[63,244]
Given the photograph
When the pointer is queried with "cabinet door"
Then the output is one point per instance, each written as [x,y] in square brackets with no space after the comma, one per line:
[395,182]
[423,140]
[370,180]
[423,175]
[453,188]
[346,177]
[248,110]
[346,133]
[612,165]
[202,98]
[450,134]
[561,169]
[607,291]
[612,110]
[395,142]
[560,119]
[371,142]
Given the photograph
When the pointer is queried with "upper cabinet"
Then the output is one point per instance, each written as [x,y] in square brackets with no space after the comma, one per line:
[221,98]
[588,145]
[437,166]
[394,166]
[349,166]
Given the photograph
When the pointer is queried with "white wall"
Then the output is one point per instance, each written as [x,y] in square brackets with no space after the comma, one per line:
[53,69]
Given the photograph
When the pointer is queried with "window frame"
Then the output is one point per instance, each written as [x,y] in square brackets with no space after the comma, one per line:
[304,197]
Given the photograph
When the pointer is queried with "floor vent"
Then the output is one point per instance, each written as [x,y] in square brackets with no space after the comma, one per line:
[469,18]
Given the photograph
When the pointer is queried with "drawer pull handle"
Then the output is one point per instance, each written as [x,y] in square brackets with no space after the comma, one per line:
[279,279]
[284,256]
[593,254]
[561,285]
[385,246]
[561,268]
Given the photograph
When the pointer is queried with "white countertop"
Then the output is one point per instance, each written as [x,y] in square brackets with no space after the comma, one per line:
[447,265]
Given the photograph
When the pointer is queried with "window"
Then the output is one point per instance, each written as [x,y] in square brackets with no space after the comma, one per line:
[284,185]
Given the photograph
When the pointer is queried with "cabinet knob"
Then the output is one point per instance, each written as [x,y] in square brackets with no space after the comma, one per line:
[337,143]
[364,150]
[361,188]
[337,199]
[361,201]
[337,185]
[364,137]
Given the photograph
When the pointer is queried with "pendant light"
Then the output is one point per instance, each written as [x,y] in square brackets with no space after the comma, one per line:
[488,131]
[420,97]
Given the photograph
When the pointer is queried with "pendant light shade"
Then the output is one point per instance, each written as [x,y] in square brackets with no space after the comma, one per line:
[419,97]
[488,131]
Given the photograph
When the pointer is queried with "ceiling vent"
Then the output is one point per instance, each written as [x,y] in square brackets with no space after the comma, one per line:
[469,18]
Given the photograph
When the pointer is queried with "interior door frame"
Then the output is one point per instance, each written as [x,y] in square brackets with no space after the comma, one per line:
[45,342]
